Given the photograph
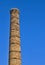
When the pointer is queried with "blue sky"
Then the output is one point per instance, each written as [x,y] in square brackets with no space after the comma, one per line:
[32,30]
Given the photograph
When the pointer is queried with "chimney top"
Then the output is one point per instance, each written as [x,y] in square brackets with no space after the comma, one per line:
[14,10]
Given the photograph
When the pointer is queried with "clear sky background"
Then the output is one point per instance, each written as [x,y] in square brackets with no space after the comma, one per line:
[32,30]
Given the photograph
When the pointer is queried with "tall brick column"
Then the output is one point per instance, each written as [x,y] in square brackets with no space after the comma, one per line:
[14,50]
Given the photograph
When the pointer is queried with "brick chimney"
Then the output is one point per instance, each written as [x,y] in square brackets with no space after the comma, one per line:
[14,44]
